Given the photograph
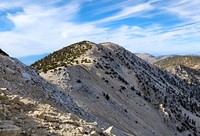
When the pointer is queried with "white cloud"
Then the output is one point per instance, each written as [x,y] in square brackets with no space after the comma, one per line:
[37,29]
[188,9]
[42,28]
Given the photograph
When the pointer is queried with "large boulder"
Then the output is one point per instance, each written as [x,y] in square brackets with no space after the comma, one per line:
[109,130]
[39,114]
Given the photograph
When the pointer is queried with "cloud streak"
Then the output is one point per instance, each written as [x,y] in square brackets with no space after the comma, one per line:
[187,9]
[128,12]
[43,26]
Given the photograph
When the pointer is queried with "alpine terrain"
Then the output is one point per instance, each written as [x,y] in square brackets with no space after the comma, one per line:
[120,89]
[185,67]
[30,106]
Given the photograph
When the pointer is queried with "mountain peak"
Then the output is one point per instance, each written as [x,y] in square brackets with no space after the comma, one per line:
[77,53]
[110,45]
[107,79]
[63,57]
[85,42]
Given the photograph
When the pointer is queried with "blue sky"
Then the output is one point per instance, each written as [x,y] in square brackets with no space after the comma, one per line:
[158,27]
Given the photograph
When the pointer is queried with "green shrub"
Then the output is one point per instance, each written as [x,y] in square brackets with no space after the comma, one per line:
[63,57]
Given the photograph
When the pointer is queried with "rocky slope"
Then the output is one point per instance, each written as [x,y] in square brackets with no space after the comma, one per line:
[123,90]
[30,106]
[185,67]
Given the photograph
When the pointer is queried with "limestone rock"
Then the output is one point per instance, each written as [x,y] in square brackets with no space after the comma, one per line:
[3,96]
[3,89]
[47,106]
[81,129]
[73,117]
[51,118]
[93,133]
[39,114]
[8,129]
[15,99]
[109,130]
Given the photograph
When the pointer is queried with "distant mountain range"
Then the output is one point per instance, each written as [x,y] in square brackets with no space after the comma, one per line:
[187,67]
[150,58]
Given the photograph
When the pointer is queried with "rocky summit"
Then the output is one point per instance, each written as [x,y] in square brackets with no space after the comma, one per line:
[117,88]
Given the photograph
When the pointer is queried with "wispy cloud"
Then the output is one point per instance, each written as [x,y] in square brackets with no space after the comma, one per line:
[37,28]
[188,9]
[128,12]
[45,26]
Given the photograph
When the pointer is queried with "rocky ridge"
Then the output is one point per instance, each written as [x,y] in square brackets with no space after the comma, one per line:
[30,106]
[139,98]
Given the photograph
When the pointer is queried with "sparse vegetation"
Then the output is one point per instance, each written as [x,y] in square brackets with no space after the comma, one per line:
[106,96]
[63,57]
[78,81]
[188,61]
